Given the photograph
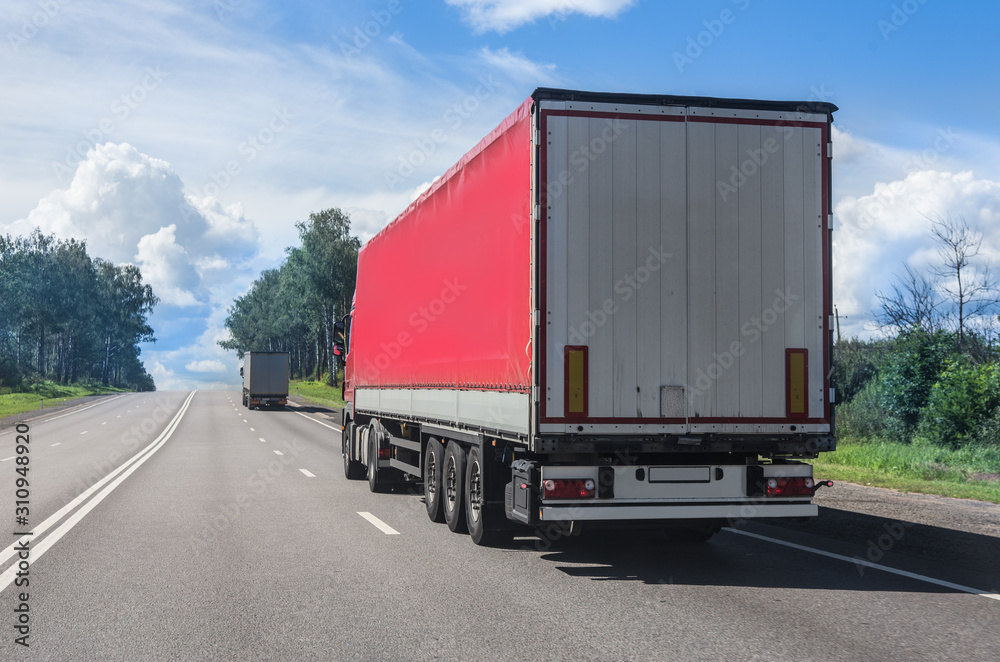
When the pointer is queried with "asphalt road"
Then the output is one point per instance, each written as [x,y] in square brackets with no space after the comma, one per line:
[196,529]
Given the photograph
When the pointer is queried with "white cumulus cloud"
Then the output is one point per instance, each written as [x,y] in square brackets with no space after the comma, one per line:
[167,267]
[506,15]
[131,208]
[878,233]
[206,366]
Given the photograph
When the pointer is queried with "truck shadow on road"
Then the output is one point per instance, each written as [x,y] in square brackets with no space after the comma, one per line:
[730,559]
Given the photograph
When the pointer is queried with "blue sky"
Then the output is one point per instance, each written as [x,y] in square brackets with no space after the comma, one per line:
[189,137]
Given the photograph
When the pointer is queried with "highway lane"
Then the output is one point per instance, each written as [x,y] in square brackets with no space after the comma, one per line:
[71,450]
[216,547]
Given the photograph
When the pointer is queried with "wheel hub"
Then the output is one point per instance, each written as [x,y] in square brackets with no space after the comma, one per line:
[431,476]
[451,490]
[475,491]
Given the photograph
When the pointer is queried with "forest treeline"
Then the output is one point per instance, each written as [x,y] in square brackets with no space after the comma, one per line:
[70,318]
[294,308]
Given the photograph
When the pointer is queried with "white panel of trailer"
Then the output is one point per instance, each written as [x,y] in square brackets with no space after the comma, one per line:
[728,264]
[771,158]
[703,369]
[505,412]
[557,255]
[649,263]
[813,212]
[674,254]
[624,225]
[749,195]
[600,281]
[700,253]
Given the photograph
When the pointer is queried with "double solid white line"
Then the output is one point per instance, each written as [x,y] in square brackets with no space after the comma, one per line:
[115,478]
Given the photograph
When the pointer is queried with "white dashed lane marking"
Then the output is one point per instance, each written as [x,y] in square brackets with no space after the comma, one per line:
[308,473]
[379,524]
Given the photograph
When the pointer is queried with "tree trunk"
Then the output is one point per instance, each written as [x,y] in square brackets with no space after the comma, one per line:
[319,366]
[330,340]
[107,360]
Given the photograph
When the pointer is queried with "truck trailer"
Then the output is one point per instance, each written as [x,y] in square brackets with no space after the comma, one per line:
[615,309]
[265,379]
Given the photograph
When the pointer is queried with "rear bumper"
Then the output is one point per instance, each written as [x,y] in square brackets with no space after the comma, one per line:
[685,492]
[733,511]
[267,400]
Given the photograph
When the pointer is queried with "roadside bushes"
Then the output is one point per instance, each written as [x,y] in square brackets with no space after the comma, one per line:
[988,433]
[863,417]
[908,376]
[959,403]
[922,388]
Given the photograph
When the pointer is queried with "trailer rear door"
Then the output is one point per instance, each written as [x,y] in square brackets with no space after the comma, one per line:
[684,269]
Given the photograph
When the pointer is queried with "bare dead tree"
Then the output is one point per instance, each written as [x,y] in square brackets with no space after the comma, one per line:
[971,289]
[913,303]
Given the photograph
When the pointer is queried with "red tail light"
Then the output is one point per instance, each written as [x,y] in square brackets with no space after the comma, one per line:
[561,488]
[383,453]
[790,486]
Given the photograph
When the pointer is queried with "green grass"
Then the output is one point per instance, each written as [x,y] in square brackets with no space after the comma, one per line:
[917,467]
[49,392]
[317,392]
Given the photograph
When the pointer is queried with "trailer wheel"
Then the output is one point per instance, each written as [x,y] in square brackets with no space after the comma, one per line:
[374,484]
[433,468]
[353,470]
[453,480]
[480,519]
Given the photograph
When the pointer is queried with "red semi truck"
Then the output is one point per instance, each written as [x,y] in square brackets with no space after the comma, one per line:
[614,309]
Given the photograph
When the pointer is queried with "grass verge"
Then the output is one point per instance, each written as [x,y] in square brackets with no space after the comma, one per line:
[48,393]
[316,392]
[969,473]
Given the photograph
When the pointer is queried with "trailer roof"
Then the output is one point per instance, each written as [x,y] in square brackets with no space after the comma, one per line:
[555,94]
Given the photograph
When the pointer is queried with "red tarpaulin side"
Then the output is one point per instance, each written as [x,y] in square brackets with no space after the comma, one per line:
[443,293]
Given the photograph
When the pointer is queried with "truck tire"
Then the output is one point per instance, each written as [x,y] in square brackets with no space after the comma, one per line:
[481,520]
[353,470]
[453,484]
[433,468]
[374,484]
